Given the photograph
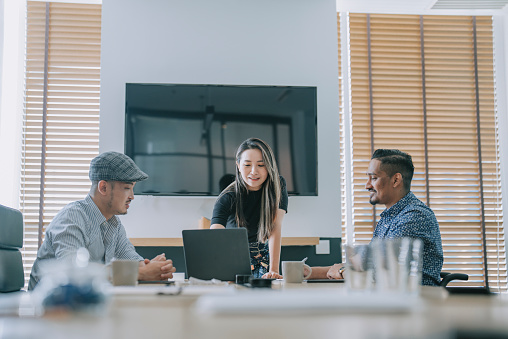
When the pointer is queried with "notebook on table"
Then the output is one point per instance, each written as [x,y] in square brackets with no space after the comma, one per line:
[216,254]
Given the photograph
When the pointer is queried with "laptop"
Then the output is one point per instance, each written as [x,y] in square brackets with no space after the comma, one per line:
[216,254]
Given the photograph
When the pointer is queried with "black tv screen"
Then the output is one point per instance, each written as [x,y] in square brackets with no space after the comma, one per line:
[185,136]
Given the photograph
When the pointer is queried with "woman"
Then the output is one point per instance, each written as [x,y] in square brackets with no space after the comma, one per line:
[256,200]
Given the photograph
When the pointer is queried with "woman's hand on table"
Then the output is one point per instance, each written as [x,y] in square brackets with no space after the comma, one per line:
[272,275]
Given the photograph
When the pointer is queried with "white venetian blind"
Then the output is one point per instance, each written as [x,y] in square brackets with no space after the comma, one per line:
[425,85]
[61,121]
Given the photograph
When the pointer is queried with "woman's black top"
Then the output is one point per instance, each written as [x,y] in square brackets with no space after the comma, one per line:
[225,209]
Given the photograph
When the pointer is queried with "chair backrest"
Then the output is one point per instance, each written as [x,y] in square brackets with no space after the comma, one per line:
[11,240]
[446,277]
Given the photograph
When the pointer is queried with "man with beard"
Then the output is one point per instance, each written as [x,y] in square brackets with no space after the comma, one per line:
[93,224]
[389,182]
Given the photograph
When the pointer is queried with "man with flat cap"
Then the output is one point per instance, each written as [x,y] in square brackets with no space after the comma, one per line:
[92,223]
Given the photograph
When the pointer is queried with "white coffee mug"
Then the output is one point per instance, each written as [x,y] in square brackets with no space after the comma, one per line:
[292,271]
[124,272]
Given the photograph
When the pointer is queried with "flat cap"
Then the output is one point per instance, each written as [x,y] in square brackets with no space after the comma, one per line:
[115,166]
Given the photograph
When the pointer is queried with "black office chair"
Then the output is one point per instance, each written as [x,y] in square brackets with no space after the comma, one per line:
[446,277]
[12,278]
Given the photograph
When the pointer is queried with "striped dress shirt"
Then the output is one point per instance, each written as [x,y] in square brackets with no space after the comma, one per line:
[81,224]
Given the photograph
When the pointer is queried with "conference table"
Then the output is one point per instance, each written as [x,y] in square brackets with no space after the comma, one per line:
[285,311]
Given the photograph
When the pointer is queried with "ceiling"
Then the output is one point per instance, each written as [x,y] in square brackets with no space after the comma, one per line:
[465,7]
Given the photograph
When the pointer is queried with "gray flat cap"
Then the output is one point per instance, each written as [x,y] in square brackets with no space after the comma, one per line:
[116,167]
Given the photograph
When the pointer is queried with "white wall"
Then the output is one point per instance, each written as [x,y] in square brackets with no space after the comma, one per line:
[12,52]
[2,30]
[265,42]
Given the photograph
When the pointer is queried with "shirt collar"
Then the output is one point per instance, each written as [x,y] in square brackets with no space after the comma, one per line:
[398,206]
[97,215]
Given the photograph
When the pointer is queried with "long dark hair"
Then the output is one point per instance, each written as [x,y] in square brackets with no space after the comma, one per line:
[271,190]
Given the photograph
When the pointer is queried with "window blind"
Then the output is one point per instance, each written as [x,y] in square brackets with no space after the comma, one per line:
[61,118]
[425,85]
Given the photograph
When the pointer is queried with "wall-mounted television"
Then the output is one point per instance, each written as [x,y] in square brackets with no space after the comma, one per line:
[185,136]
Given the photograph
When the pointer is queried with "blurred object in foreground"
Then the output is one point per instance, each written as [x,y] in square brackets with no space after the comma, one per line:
[73,285]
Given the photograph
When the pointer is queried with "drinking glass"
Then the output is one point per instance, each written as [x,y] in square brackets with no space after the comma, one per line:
[397,264]
[359,268]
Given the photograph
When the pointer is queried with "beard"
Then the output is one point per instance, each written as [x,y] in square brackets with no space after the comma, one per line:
[110,206]
[373,200]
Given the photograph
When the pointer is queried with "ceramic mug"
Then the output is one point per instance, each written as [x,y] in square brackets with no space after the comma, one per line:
[292,271]
[124,272]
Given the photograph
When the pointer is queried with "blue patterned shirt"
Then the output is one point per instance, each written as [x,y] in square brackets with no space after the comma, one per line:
[81,224]
[410,217]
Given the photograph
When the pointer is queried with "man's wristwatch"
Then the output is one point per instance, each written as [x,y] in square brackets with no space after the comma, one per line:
[341,271]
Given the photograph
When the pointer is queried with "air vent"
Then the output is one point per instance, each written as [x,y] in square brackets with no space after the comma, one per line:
[470,4]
